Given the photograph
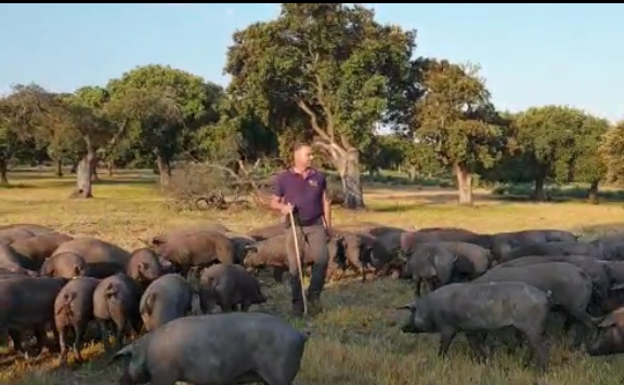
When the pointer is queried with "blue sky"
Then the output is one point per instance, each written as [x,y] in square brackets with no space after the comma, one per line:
[530,54]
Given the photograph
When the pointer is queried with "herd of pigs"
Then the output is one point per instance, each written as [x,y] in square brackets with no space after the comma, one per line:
[477,284]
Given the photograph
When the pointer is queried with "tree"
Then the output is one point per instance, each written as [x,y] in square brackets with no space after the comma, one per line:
[589,167]
[457,119]
[420,158]
[165,107]
[612,153]
[330,66]
[547,139]
[87,118]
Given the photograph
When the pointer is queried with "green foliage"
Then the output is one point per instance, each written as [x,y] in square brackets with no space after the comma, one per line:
[164,107]
[612,153]
[456,118]
[331,66]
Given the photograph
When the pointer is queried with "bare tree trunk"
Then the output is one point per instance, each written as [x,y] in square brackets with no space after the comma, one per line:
[110,167]
[59,168]
[84,176]
[348,164]
[94,175]
[4,180]
[411,171]
[464,184]
[539,192]
[164,170]
[592,194]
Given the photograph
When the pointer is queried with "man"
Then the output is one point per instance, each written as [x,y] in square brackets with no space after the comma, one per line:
[303,190]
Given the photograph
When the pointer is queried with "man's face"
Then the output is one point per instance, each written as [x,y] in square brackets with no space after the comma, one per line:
[303,156]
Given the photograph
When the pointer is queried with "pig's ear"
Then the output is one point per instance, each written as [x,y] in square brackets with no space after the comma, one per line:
[125,352]
[607,321]
[617,286]
[406,307]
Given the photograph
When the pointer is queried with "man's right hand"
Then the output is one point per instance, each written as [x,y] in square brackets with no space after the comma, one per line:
[287,208]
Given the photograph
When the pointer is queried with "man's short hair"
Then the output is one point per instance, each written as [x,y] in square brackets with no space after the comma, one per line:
[298,145]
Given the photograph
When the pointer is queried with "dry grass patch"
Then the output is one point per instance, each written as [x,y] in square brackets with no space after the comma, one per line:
[357,339]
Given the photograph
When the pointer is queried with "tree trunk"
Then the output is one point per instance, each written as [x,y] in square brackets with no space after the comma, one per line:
[348,165]
[164,169]
[539,193]
[411,171]
[59,168]
[94,175]
[592,194]
[4,180]
[110,167]
[84,176]
[74,167]
[464,184]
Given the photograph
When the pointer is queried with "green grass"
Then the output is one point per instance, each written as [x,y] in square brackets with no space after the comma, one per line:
[357,339]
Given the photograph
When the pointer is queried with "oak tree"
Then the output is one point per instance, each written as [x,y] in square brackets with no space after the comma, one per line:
[330,66]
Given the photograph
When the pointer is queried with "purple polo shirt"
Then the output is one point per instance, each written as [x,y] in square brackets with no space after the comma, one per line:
[304,192]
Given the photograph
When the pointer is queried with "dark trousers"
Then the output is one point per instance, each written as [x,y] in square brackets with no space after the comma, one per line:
[312,241]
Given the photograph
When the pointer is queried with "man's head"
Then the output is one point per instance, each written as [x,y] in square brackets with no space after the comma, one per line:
[303,156]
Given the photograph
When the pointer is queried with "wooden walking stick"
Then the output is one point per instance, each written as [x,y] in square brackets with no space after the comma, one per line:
[299,263]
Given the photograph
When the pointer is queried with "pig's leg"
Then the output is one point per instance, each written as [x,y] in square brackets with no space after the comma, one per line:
[78,334]
[475,339]
[63,346]
[103,324]
[417,285]
[42,339]
[16,336]
[539,349]
[446,337]
[586,320]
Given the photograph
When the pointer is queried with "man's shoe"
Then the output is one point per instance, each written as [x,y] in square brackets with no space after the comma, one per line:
[314,307]
[297,309]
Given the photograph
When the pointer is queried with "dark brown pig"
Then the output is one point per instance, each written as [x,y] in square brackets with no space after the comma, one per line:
[65,265]
[198,250]
[379,231]
[571,288]
[599,271]
[144,267]
[355,252]
[36,249]
[231,348]
[430,264]
[411,238]
[266,232]
[241,241]
[610,338]
[28,304]
[10,235]
[116,306]
[553,249]
[104,258]
[183,231]
[229,286]
[478,308]
[12,261]
[167,298]
[73,308]
[31,227]
[270,252]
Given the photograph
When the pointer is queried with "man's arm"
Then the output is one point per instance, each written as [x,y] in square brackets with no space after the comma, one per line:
[277,198]
[327,212]
[327,219]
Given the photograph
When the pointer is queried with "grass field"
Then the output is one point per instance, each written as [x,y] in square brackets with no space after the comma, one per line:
[357,339]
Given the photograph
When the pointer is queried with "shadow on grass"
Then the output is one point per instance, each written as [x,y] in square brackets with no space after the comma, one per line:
[557,194]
